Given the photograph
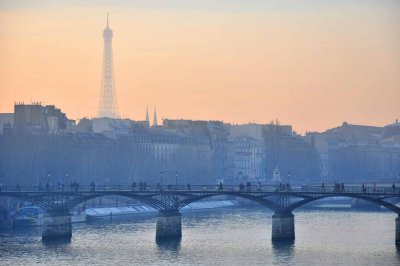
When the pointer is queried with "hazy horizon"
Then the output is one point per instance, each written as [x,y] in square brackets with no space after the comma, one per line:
[312,65]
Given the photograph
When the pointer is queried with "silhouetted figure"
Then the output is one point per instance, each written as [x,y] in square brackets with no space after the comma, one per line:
[92,186]
[189,187]
[241,187]
[394,187]
[134,185]
[259,186]
[342,187]
[323,187]
[220,188]
[18,187]
[248,186]
[337,188]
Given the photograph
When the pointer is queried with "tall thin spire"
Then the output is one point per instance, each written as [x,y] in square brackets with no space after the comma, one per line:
[155,123]
[147,115]
[108,99]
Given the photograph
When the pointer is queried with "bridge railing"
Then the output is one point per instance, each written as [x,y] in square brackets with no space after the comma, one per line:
[254,188]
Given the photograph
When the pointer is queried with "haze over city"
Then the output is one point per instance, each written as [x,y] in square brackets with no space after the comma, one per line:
[199,132]
[311,66]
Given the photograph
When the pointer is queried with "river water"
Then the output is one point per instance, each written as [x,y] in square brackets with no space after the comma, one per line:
[230,236]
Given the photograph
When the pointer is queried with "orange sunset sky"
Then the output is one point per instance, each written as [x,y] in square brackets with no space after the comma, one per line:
[312,64]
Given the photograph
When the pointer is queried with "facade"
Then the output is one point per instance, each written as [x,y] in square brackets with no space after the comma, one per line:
[248,159]
[38,119]
[6,123]
[42,143]
[290,153]
[216,134]
[356,152]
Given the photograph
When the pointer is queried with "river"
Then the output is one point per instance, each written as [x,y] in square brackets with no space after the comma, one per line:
[229,236]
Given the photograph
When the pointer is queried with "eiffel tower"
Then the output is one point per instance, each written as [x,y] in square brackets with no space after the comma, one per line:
[108,100]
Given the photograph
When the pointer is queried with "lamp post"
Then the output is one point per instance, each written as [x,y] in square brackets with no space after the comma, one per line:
[161,177]
[176,180]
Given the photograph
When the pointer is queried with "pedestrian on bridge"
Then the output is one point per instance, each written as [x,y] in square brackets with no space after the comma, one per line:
[323,187]
[248,186]
[220,188]
[394,187]
[92,186]
[241,187]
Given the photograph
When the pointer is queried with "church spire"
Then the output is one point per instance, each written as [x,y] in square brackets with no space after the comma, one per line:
[147,115]
[155,117]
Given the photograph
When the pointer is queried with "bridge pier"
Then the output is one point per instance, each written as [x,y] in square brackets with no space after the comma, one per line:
[169,225]
[57,225]
[283,227]
[397,232]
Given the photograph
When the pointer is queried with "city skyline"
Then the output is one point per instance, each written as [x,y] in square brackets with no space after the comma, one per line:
[225,64]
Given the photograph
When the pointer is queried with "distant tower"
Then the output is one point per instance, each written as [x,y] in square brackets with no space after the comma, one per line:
[155,118]
[147,116]
[108,100]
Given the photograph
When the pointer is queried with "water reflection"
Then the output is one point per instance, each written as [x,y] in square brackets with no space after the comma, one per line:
[283,251]
[227,237]
[172,246]
[56,243]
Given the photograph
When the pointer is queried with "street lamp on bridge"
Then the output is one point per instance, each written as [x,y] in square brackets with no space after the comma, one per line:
[176,180]
[161,177]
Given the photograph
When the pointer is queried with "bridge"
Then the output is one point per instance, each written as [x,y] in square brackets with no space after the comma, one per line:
[282,201]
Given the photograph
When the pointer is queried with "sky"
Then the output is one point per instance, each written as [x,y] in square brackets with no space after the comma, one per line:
[312,63]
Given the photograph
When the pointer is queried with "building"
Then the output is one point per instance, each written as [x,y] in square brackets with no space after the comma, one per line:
[248,159]
[38,119]
[6,123]
[290,153]
[357,153]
